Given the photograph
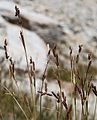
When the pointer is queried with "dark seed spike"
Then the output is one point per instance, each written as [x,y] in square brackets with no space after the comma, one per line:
[89,56]
[80,48]
[5,49]
[22,38]
[33,65]
[17,11]
[30,60]
[70,51]
[45,87]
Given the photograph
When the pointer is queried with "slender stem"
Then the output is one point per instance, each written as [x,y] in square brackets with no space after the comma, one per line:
[30,78]
[75,107]
[86,109]
[41,98]
[95,109]
[42,84]
[58,111]
[60,92]
[86,100]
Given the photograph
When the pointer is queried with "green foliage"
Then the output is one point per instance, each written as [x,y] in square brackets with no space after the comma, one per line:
[64,74]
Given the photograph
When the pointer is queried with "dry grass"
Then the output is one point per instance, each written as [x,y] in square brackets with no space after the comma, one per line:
[19,106]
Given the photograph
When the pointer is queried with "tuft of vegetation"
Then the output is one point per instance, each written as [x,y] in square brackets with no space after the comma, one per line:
[38,105]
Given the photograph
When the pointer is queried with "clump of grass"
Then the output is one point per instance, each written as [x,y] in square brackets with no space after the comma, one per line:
[79,75]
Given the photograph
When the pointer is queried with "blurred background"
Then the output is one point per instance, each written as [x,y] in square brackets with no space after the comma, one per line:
[65,23]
